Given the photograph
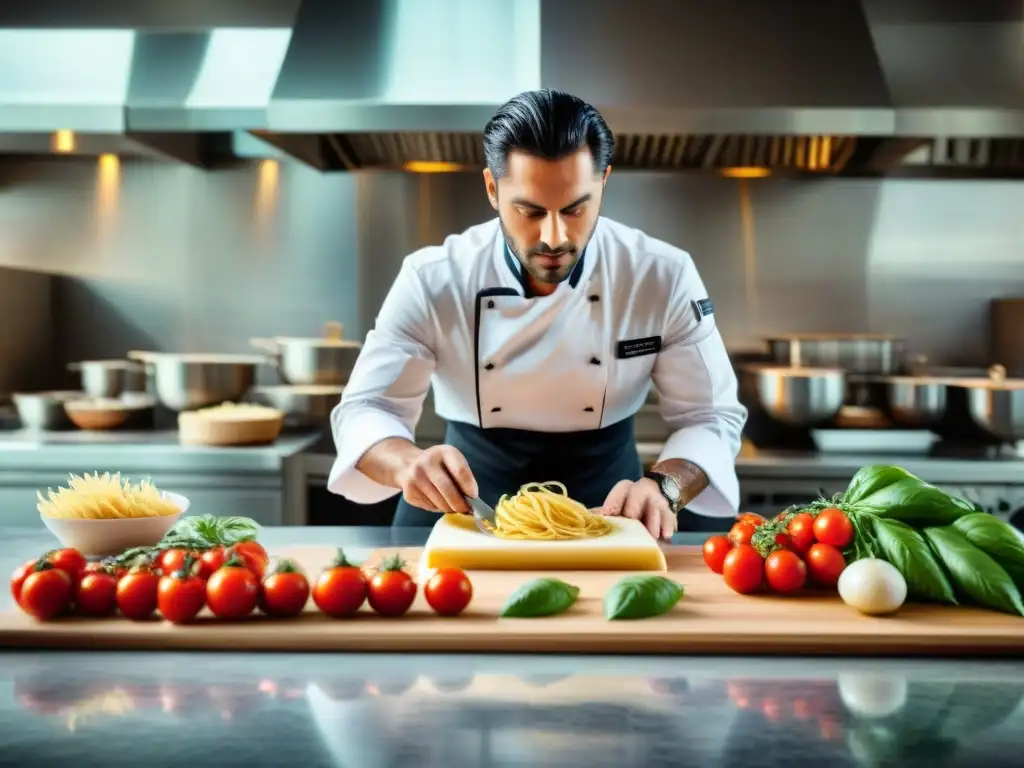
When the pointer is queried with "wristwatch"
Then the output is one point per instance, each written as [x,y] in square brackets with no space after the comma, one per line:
[670,487]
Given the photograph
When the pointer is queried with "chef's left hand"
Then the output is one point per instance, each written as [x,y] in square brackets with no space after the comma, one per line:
[642,500]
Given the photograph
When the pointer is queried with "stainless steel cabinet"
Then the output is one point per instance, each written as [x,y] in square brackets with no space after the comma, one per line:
[255,496]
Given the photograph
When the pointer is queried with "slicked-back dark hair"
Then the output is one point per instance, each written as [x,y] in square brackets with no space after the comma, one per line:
[549,124]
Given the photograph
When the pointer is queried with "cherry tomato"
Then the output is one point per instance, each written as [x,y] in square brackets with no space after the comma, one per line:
[801,709]
[715,550]
[21,573]
[96,594]
[832,526]
[783,540]
[69,560]
[739,693]
[824,563]
[448,591]
[743,569]
[285,590]
[137,593]
[253,555]
[785,571]
[181,595]
[171,560]
[391,590]
[210,561]
[771,709]
[750,517]
[341,589]
[46,592]
[232,591]
[741,533]
[801,532]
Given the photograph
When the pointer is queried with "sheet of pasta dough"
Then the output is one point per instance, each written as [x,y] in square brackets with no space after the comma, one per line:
[456,542]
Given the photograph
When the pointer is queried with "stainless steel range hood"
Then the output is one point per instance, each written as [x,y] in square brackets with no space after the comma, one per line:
[134,91]
[955,71]
[833,86]
[683,83]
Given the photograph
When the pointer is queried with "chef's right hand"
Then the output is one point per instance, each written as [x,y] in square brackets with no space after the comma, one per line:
[438,479]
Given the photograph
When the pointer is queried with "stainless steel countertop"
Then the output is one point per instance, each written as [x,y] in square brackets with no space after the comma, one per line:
[786,465]
[369,711]
[149,451]
[141,452]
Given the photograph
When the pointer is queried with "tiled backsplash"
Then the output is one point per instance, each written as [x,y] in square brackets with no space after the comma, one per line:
[176,258]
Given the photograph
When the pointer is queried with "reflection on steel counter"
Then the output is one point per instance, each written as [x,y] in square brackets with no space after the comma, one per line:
[383,713]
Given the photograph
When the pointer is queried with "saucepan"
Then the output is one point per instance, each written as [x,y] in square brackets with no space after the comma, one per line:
[325,360]
[183,382]
[797,396]
[866,353]
[302,404]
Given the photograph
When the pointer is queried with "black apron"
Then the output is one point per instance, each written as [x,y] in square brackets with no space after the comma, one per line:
[588,463]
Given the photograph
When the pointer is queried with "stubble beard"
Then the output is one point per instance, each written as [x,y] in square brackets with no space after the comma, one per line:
[541,274]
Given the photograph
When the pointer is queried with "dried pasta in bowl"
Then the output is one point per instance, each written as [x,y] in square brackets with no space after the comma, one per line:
[105,497]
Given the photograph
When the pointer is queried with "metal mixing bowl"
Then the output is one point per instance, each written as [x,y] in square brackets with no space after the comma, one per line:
[798,396]
[998,409]
[44,410]
[183,382]
[916,402]
[109,378]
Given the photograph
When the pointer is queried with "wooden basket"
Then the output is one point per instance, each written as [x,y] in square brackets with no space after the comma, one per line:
[210,427]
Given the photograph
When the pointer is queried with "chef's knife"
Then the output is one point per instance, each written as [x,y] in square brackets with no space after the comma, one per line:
[482,513]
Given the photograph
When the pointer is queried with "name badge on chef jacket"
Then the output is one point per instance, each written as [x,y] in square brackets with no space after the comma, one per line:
[638,347]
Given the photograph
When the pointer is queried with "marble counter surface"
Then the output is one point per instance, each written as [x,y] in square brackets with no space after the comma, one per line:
[371,711]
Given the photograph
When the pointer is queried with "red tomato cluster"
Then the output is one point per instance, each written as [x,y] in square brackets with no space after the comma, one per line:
[232,583]
[808,548]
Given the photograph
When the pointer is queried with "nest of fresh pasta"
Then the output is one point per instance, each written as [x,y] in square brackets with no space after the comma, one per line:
[546,512]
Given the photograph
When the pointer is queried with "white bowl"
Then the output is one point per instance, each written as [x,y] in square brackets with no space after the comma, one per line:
[100,538]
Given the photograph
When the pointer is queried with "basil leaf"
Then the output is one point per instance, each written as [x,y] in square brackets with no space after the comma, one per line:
[915,502]
[907,550]
[213,531]
[996,539]
[871,479]
[640,597]
[974,574]
[540,597]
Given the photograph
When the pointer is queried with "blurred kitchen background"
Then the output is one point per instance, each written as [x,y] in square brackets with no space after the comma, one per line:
[184,180]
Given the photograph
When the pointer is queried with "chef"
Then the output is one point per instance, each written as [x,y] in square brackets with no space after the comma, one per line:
[541,332]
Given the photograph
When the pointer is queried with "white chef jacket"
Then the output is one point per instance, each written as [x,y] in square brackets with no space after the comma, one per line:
[578,359]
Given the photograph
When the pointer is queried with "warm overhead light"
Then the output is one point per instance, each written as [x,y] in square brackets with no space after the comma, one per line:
[63,141]
[424,166]
[745,172]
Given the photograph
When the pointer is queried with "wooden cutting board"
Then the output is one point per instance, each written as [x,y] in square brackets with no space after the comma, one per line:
[710,619]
